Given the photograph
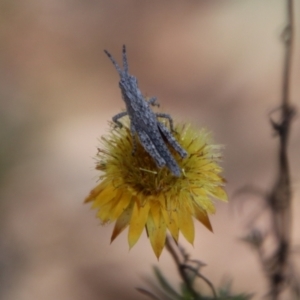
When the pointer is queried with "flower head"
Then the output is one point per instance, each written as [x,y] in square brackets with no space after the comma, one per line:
[135,193]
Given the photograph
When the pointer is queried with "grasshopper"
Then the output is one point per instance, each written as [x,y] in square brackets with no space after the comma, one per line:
[144,123]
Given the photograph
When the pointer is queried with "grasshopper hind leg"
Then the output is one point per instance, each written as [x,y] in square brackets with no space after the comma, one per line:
[172,141]
[151,149]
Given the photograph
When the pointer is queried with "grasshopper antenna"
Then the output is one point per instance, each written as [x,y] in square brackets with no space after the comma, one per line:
[125,63]
[114,62]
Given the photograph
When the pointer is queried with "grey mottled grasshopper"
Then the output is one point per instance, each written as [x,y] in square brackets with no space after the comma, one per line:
[144,122]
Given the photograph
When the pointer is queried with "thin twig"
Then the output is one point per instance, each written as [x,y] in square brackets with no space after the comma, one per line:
[281,194]
[288,36]
[182,267]
[277,265]
[207,281]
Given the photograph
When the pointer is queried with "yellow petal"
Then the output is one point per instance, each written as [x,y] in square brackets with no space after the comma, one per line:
[201,216]
[157,235]
[205,203]
[104,196]
[219,193]
[123,221]
[171,221]
[107,212]
[137,223]
[94,192]
[122,201]
[186,225]
[207,166]
[155,211]
[212,176]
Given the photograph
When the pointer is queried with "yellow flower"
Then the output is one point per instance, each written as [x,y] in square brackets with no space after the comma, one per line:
[135,193]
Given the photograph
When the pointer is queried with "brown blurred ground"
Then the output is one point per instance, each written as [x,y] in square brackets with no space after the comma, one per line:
[215,63]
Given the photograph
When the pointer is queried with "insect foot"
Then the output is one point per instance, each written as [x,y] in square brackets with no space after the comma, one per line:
[144,123]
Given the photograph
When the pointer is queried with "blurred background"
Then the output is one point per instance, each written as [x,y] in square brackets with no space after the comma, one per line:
[217,64]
